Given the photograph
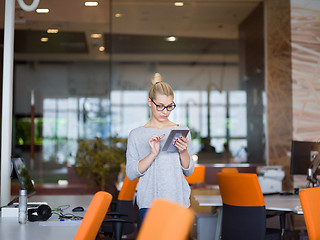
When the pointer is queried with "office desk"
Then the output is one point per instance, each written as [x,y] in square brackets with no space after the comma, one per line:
[284,203]
[51,229]
[287,203]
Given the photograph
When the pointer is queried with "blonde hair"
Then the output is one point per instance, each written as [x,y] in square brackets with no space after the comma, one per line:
[159,87]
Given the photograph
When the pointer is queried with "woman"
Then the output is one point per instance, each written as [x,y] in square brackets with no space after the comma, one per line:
[160,172]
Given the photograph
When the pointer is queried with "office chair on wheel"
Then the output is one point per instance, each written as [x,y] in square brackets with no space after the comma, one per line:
[309,199]
[229,170]
[94,216]
[243,211]
[121,220]
[197,176]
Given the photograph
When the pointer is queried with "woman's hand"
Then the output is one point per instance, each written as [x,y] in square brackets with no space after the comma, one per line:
[155,144]
[181,143]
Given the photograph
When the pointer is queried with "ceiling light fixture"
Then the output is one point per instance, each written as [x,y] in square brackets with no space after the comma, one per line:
[52,30]
[178,4]
[96,35]
[91,4]
[44,39]
[42,10]
[171,39]
[117,15]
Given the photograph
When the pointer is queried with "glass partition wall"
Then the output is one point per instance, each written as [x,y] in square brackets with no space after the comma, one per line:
[91,78]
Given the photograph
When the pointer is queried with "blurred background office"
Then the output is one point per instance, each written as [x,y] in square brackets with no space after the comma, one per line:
[245,80]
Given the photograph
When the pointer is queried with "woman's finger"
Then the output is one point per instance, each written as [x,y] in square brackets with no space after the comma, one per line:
[180,144]
[183,139]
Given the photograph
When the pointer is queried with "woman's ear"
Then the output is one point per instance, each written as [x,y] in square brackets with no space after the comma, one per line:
[149,102]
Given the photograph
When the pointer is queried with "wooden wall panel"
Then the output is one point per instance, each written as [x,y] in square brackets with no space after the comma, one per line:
[305,28]
[278,85]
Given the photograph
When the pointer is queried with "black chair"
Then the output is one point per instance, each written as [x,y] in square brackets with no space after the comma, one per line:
[243,211]
[123,218]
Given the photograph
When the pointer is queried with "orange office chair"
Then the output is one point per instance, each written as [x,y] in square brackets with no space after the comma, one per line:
[166,220]
[197,176]
[309,199]
[229,170]
[243,211]
[128,189]
[124,213]
[94,216]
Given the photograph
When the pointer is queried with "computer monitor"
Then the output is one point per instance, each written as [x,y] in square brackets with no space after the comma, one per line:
[23,175]
[302,154]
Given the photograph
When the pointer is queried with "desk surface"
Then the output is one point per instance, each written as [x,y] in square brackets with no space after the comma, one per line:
[290,203]
[51,229]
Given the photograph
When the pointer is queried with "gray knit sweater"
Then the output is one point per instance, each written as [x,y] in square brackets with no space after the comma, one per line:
[164,178]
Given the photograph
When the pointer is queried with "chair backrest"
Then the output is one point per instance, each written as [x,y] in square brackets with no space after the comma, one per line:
[243,215]
[309,199]
[229,170]
[240,189]
[128,189]
[166,220]
[94,216]
[198,175]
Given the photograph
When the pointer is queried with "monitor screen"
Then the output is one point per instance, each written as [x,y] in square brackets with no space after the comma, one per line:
[23,175]
[302,153]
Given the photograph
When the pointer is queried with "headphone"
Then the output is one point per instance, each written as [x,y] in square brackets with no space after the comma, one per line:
[44,212]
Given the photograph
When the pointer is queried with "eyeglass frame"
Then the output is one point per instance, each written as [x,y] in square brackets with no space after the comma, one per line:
[164,107]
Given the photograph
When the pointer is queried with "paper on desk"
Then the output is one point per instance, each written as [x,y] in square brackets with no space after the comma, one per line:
[58,223]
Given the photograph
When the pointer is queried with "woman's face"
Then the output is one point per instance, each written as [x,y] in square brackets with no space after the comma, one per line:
[161,101]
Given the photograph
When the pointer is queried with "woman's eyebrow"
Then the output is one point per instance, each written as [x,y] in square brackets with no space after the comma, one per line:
[166,105]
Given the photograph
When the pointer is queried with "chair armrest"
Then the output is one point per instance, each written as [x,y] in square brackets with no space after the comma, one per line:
[116,214]
[115,220]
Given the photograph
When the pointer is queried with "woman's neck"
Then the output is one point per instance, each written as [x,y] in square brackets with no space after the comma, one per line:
[160,125]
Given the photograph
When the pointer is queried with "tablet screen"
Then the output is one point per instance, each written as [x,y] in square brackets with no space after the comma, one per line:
[168,146]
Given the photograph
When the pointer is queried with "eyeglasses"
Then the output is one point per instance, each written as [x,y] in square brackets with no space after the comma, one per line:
[161,107]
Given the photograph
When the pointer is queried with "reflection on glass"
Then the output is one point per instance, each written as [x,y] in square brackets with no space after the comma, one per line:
[83,93]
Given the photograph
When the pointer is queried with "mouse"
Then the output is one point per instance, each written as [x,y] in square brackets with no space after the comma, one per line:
[78,209]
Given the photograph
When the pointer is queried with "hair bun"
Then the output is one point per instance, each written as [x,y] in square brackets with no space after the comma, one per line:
[156,78]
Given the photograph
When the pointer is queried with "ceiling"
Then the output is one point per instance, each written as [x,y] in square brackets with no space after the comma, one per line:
[207,30]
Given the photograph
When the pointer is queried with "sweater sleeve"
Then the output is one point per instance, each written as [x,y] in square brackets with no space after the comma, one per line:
[188,171]
[132,158]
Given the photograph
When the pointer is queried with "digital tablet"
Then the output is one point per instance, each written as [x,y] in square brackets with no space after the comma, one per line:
[168,146]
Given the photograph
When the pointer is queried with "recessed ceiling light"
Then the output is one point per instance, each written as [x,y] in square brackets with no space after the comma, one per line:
[42,10]
[178,4]
[117,15]
[101,49]
[44,39]
[96,35]
[171,39]
[91,4]
[52,30]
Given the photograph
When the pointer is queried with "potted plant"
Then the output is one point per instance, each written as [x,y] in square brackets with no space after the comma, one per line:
[100,161]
